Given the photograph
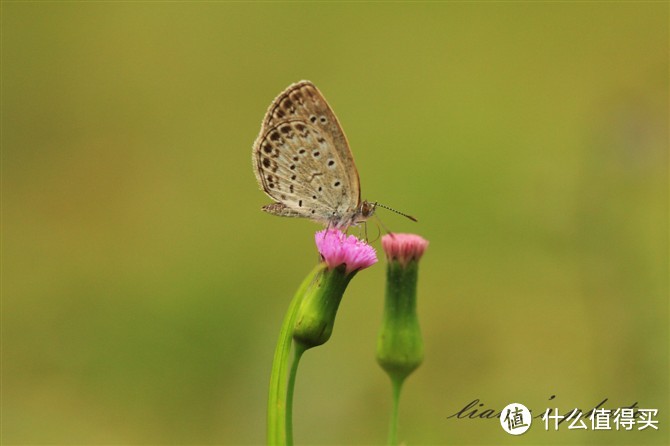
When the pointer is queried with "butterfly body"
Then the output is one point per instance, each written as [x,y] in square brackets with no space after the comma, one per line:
[302,161]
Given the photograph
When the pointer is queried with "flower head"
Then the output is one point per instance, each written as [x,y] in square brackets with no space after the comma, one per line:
[404,247]
[400,345]
[337,248]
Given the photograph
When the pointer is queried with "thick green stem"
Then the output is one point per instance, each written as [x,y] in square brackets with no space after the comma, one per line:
[308,322]
[298,350]
[277,410]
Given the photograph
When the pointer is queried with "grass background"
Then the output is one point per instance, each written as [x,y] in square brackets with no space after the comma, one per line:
[143,290]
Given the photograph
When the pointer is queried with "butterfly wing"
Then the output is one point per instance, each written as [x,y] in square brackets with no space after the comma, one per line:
[297,165]
[303,101]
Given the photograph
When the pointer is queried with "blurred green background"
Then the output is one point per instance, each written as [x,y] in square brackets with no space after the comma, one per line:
[143,289]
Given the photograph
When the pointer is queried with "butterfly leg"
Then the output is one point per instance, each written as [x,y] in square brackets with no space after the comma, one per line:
[328,226]
[327,229]
[379,234]
[384,226]
[365,227]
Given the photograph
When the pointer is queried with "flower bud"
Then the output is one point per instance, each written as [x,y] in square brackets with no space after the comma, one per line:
[399,345]
[343,257]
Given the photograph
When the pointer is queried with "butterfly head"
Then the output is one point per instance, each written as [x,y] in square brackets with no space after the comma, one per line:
[367,209]
[364,211]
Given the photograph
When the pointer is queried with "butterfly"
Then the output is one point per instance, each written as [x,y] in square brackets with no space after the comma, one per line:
[302,161]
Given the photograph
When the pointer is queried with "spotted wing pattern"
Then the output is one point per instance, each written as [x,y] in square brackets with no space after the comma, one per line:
[297,166]
[302,159]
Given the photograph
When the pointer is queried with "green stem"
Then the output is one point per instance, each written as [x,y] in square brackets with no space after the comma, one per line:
[298,350]
[393,427]
[277,414]
[399,345]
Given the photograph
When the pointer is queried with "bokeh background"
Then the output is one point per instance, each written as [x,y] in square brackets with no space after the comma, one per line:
[143,289]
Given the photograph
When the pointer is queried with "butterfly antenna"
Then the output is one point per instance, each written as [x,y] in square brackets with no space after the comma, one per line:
[397,212]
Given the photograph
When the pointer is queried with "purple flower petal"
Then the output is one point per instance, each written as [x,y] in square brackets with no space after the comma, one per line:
[337,248]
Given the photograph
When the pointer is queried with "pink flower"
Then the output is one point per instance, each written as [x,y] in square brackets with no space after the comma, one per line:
[336,249]
[404,247]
